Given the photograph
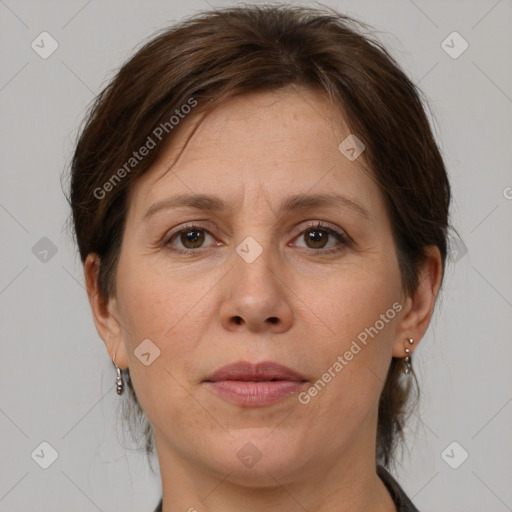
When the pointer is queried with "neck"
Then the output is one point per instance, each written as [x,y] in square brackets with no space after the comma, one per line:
[347,482]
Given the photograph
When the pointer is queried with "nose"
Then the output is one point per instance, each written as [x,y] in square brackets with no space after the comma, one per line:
[256,296]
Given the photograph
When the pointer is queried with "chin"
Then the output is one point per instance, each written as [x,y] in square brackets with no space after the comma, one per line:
[255,457]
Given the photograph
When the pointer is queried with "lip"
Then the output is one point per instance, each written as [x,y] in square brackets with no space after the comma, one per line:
[251,385]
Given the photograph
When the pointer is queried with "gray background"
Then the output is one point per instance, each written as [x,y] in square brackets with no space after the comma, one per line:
[57,381]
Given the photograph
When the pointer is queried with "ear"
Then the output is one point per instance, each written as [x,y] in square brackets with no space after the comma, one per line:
[105,313]
[419,308]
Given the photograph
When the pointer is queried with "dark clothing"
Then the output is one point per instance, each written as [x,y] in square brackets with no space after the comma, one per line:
[402,502]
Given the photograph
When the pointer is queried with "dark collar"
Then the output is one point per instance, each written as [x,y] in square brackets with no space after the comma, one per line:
[402,502]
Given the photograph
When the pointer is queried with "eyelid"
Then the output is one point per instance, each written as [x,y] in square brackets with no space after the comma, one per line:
[320,224]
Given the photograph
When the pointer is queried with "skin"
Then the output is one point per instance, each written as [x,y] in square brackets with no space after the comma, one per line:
[252,152]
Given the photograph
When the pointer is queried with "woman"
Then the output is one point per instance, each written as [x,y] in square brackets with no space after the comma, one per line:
[262,213]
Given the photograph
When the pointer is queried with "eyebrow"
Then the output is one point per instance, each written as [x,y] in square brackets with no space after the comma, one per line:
[296,202]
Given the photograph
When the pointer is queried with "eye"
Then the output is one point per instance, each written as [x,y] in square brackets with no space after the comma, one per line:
[191,237]
[316,237]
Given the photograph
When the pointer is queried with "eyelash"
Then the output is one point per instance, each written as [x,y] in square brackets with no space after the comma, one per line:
[310,227]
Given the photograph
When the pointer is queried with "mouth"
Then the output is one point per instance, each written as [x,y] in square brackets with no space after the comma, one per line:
[254,385]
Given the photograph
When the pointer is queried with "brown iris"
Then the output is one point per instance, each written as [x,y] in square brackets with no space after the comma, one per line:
[194,236]
[317,236]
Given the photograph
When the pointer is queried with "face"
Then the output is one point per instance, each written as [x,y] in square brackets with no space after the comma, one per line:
[313,286]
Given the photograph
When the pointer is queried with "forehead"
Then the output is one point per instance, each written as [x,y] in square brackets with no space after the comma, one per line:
[284,143]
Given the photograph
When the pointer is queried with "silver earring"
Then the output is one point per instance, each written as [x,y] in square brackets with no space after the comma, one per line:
[119,378]
[407,360]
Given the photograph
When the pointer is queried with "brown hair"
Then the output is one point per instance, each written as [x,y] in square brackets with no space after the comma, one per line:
[220,54]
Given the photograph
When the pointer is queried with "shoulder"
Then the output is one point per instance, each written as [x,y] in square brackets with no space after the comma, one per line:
[402,501]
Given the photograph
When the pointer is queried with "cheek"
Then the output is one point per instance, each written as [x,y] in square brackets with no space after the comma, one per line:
[357,315]
[152,304]
[153,313]
[160,310]
[347,304]
[351,366]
